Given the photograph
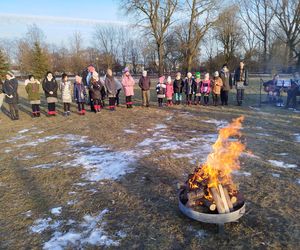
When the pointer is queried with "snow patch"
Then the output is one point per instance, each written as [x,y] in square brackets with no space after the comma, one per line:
[297,137]
[130,131]
[218,123]
[56,210]
[241,173]
[160,126]
[275,175]
[23,131]
[44,166]
[282,164]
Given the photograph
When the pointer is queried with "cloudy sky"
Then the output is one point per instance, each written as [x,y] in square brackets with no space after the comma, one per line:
[58,19]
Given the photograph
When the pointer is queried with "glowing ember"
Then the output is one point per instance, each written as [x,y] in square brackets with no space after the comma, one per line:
[215,173]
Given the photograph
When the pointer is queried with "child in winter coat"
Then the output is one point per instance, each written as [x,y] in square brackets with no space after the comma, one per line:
[197,97]
[161,91]
[79,94]
[217,84]
[32,87]
[10,89]
[178,86]
[50,87]
[169,91]
[66,94]
[128,84]
[111,88]
[205,88]
[189,88]
[95,92]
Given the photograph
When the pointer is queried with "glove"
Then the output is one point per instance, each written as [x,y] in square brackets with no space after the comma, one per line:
[51,92]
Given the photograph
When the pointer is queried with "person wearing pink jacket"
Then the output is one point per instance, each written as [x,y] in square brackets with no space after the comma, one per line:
[128,84]
[169,91]
[205,88]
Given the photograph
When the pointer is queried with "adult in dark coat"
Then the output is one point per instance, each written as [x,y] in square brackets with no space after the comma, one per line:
[111,89]
[227,83]
[145,84]
[240,81]
[50,88]
[293,91]
[10,88]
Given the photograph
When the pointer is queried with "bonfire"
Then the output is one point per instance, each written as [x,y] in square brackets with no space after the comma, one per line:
[210,189]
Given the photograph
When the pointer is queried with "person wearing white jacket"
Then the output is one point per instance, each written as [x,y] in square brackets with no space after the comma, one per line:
[66,94]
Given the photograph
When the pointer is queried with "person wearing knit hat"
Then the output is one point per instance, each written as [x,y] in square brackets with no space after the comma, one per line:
[227,84]
[111,87]
[50,88]
[32,87]
[189,88]
[217,84]
[178,86]
[197,97]
[128,85]
[145,84]
[169,91]
[79,94]
[66,93]
[10,88]
[161,91]
[95,92]
[205,88]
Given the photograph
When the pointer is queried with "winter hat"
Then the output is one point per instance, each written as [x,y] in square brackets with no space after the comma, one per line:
[169,80]
[216,74]
[95,76]
[197,75]
[145,73]
[206,76]
[189,75]
[78,79]
[162,79]
[126,70]
[10,73]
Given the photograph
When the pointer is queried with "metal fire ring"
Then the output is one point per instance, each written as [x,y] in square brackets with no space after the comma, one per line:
[211,218]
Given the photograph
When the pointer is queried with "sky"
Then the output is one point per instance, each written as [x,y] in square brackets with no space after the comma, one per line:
[58,19]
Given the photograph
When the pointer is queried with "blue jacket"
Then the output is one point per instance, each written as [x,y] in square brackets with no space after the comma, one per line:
[79,92]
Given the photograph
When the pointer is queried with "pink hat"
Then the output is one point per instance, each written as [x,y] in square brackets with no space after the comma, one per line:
[126,70]
[161,79]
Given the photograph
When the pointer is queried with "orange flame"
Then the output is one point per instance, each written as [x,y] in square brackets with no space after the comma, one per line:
[223,159]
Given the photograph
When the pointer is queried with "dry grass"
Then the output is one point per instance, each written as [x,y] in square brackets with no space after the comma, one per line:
[144,203]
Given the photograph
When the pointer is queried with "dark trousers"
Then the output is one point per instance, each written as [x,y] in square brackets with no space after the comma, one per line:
[129,101]
[224,97]
[35,108]
[215,99]
[240,96]
[80,106]
[112,102]
[206,99]
[189,98]
[292,96]
[67,107]
[91,101]
[160,102]
[51,106]
[14,111]
[117,97]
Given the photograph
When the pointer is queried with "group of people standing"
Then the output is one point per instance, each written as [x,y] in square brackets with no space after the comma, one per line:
[90,89]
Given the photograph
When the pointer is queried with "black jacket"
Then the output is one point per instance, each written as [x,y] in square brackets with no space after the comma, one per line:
[178,85]
[241,76]
[49,86]
[189,86]
[10,87]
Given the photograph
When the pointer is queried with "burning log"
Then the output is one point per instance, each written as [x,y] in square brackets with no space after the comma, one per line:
[193,197]
[219,203]
[233,200]
[229,202]
[223,197]
[210,205]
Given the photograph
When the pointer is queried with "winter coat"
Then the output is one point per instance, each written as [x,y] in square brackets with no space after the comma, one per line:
[128,84]
[49,86]
[33,90]
[111,86]
[95,90]
[178,85]
[161,90]
[169,90]
[118,84]
[79,92]
[1,87]
[241,76]
[66,92]
[198,87]
[189,86]
[205,87]
[226,79]
[217,84]
[145,83]
[10,87]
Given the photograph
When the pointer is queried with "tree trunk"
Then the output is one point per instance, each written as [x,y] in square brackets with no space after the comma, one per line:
[160,51]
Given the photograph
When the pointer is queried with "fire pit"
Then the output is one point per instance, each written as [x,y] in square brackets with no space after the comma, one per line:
[210,195]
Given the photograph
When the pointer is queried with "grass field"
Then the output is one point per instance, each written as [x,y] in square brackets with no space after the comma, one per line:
[109,180]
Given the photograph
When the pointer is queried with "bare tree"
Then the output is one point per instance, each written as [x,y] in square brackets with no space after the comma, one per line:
[257,16]
[76,54]
[228,31]
[288,20]
[154,16]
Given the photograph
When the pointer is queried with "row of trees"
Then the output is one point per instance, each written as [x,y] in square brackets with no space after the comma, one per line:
[171,35]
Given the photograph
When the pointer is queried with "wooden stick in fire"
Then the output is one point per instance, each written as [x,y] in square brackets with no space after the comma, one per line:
[222,193]
[219,203]
[230,205]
